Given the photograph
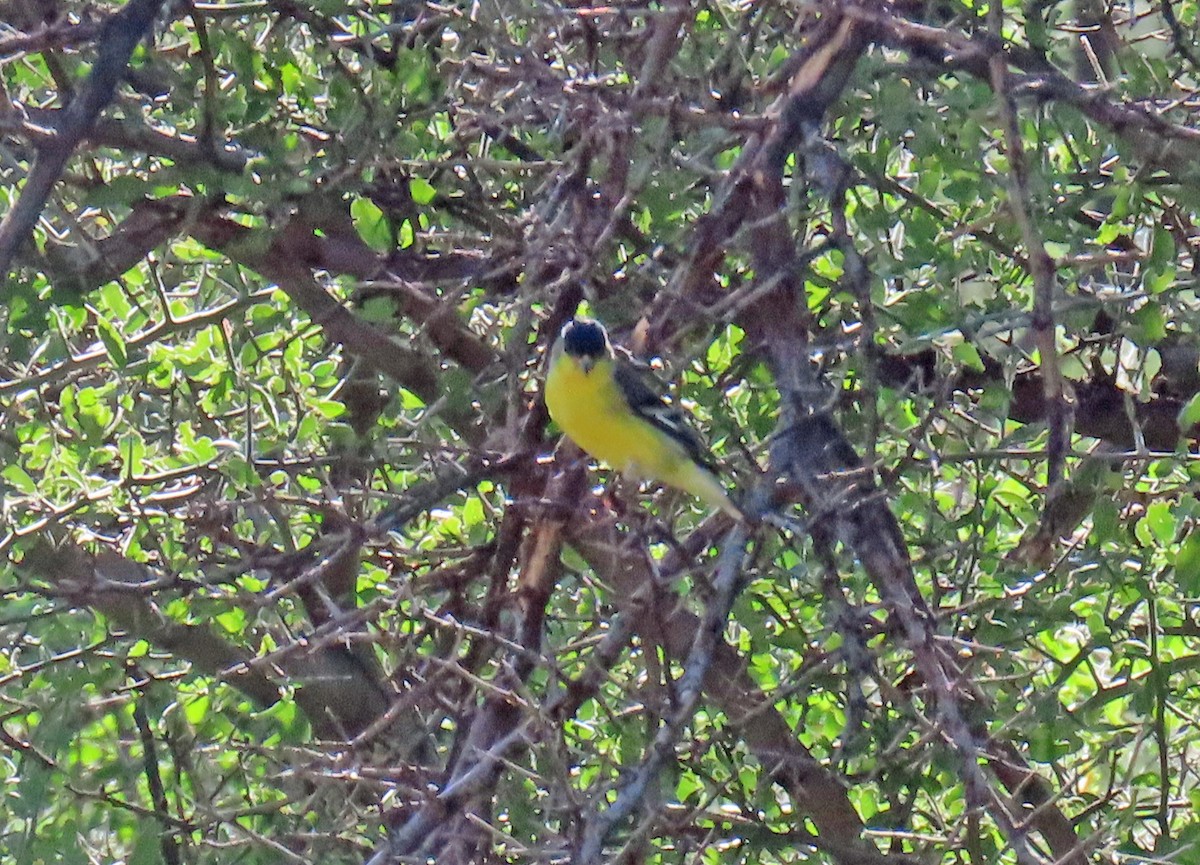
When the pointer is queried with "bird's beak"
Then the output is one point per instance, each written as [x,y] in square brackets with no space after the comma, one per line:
[586,363]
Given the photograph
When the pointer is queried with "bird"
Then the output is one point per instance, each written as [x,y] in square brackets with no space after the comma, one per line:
[601,402]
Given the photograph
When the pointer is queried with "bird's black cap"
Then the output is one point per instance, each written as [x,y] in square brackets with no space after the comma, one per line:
[583,337]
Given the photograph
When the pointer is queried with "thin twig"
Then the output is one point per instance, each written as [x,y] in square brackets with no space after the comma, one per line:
[1041,266]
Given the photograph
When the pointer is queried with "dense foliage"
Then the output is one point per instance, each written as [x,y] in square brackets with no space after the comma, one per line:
[296,569]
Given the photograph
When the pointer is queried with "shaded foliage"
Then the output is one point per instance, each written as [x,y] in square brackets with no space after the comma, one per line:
[296,568]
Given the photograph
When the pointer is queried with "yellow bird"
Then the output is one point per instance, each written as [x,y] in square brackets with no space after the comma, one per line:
[602,404]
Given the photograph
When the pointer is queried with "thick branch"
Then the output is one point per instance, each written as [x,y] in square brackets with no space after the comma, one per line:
[276,258]
[117,587]
[814,454]
[48,37]
[336,693]
[126,135]
[709,635]
[120,35]
[1160,143]
[498,728]
[816,793]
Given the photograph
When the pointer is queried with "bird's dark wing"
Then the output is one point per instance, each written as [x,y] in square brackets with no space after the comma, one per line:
[648,404]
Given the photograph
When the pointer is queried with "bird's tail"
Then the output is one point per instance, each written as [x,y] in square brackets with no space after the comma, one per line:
[707,487]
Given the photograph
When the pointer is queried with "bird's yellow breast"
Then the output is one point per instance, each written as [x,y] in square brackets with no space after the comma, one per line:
[589,408]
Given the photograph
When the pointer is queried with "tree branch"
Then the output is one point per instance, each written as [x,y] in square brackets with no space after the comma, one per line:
[1040,266]
[687,694]
[120,35]
[275,256]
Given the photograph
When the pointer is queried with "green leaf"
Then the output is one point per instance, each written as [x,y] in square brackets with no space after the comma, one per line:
[114,343]
[1158,280]
[147,849]
[1162,249]
[123,190]
[1149,325]
[371,224]
[330,408]
[196,708]
[19,478]
[1187,565]
[290,78]
[422,190]
[967,355]
[1189,415]
[1161,520]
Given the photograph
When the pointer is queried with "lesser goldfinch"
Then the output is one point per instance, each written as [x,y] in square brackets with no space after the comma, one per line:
[599,399]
